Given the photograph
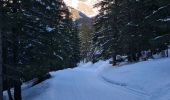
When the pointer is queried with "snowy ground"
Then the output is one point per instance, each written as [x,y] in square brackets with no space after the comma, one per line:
[148,80]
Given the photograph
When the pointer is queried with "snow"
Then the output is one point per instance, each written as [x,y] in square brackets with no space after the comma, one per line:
[165,19]
[48,8]
[132,24]
[154,12]
[25,86]
[76,5]
[147,80]
[49,29]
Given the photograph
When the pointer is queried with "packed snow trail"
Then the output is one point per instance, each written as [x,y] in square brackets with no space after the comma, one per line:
[147,80]
[81,83]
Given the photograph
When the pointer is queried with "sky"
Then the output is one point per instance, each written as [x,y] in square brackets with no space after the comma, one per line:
[74,3]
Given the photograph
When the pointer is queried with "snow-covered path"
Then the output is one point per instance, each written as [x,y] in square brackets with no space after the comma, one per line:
[80,84]
[147,80]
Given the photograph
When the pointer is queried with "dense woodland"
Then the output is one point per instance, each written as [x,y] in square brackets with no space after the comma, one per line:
[38,36]
[131,28]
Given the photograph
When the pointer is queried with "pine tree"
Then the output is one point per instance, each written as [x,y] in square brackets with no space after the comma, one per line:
[11,10]
[125,27]
[75,55]
[108,28]
[35,41]
[70,43]
[86,41]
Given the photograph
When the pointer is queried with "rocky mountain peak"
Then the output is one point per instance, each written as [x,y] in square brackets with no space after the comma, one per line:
[84,6]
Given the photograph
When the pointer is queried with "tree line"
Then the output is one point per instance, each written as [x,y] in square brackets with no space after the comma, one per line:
[130,28]
[38,36]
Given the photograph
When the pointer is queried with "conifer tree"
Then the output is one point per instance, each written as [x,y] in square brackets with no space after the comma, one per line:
[35,41]
[126,27]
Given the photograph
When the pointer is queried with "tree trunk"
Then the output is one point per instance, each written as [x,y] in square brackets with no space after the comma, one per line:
[134,57]
[17,91]
[1,73]
[9,94]
[129,58]
[167,53]
[114,60]
[17,83]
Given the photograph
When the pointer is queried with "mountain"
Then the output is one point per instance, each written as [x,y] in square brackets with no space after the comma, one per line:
[83,6]
[83,13]
[77,15]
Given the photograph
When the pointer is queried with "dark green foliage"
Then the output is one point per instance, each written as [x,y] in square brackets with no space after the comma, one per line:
[107,27]
[126,27]
[86,41]
[38,37]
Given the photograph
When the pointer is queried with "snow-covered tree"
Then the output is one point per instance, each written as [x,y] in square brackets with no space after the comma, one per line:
[108,25]
[126,27]
[38,37]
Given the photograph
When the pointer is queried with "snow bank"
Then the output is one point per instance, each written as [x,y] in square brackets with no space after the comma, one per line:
[97,67]
[151,78]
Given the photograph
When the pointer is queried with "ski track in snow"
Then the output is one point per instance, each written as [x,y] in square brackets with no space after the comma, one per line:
[148,80]
[81,84]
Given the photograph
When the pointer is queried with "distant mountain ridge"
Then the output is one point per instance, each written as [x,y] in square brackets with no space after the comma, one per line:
[83,13]
[77,15]
[83,6]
